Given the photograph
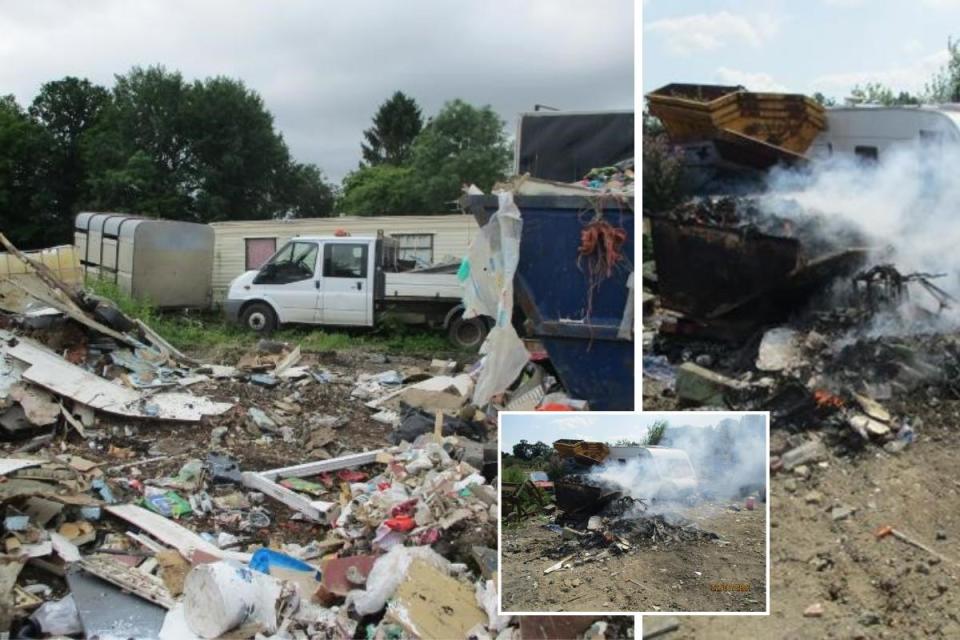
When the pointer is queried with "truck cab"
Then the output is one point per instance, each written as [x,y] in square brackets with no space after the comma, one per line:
[348,281]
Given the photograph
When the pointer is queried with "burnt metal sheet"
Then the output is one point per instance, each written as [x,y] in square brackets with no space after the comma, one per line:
[575,498]
[701,268]
[109,612]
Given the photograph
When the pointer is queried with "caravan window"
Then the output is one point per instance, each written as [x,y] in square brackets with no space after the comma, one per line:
[867,154]
[416,246]
[257,251]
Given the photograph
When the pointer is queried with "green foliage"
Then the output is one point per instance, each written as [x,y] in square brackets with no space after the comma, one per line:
[655,433]
[623,442]
[154,145]
[514,475]
[25,204]
[824,101]
[380,190]
[876,93]
[462,144]
[395,126]
[207,334]
[944,86]
[203,152]
[651,124]
[528,451]
[662,174]
[66,109]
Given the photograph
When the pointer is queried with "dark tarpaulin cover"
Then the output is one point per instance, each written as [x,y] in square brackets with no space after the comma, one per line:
[564,147]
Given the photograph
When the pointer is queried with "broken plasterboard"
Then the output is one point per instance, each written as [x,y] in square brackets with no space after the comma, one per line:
[431,604]
[39,405]
[9,465]
[52,372]
[439,393]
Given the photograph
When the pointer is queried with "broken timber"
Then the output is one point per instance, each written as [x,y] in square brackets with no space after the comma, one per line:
[318,510]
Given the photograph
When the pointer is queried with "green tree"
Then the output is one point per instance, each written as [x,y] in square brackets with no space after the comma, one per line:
[462,144]
[944,86]
[523,450]
[25,204]
[541,450]
[876,93]
[380,190]
[824,101]
[201,151]
[395,126]
[139,153]
[306,192]
[237,163]
[662,174]
[66,109]
[655,433]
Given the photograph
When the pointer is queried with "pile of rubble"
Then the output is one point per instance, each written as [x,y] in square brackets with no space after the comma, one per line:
[624,526]
[149,495]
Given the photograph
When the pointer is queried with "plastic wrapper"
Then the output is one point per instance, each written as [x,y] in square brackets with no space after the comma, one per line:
[487,273]
[388,572]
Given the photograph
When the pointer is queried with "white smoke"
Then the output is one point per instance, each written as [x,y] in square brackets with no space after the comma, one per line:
[908,204]
[728,458]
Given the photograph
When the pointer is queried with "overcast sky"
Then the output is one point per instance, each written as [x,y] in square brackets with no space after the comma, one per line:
[324,67]
[803,47]
[603,427]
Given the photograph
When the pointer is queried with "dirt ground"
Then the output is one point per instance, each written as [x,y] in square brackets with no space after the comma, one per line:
[868,588]
[687,576]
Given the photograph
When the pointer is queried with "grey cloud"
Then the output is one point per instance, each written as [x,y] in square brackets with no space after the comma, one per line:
[323,67]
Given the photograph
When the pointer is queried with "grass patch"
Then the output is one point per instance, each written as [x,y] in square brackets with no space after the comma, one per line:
[208,333]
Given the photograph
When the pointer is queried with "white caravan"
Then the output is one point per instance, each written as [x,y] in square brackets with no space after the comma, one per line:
[868,132]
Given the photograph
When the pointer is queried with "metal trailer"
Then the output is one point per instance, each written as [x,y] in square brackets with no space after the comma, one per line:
[167,262]
[552,291]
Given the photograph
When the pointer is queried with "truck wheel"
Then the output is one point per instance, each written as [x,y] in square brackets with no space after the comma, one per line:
[467,333]
[259,317]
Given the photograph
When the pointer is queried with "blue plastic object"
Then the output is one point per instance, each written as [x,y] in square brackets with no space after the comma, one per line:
[552,291]
[264,559]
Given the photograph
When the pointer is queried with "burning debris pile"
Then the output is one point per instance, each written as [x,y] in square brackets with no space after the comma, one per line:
[149,495]
[631,529]
[845,341]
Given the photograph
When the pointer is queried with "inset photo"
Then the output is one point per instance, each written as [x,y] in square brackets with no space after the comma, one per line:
[649,512]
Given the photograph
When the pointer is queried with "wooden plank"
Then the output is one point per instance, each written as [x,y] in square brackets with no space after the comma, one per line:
[171,533]
[292,358]
[315,510]
[312,468]
[137,582]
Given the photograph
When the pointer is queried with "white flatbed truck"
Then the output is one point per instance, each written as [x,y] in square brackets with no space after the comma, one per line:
[349,281]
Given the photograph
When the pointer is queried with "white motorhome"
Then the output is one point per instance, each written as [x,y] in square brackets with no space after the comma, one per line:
[869,132]
[670,470]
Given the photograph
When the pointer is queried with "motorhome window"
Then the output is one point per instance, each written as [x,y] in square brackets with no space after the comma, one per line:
[257,251]
[345,261]
[869,154]
[294,262]
[928,137]
[416,246]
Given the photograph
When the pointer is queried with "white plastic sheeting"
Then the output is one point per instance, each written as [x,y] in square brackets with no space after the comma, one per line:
[488,274]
